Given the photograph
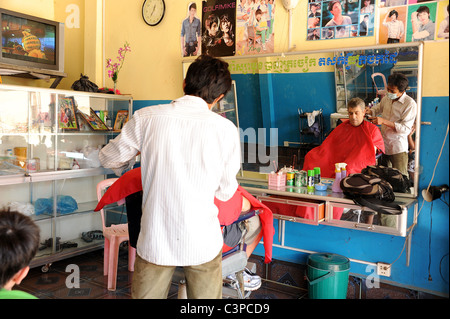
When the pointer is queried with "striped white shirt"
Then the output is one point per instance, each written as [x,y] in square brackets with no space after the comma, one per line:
[189,155]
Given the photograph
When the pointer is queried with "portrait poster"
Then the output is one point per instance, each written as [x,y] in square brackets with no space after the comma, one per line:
[421,22]
[412,20]
[255,26]
[218,27]
[442,20]
[191,32]
[393,22]
[340,19]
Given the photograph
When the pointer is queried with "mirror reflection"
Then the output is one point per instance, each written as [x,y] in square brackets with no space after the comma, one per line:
[306,95]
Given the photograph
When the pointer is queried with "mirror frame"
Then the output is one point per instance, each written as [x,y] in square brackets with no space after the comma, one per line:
[187,61]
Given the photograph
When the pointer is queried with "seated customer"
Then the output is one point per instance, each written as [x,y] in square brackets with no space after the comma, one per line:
[354,142]
[129,186]
[19,241]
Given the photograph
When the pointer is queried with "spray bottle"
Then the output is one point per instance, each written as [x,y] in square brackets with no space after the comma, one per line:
[343,169]
[336,187]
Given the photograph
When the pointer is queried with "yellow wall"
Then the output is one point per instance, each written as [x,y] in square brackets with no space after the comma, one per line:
[435,69]
[153,69]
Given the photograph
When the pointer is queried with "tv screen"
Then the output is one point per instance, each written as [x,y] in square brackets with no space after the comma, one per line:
[28,40]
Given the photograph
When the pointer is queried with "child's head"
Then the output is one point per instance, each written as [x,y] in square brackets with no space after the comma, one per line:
[19,241]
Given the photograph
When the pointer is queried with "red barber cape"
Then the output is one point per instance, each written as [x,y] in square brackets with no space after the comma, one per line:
[346,144]
[229,211]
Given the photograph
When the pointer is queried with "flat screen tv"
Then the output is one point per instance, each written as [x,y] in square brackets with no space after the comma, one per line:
[31,41]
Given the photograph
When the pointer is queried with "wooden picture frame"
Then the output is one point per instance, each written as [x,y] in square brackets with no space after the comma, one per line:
[94,122]
[67,119]
[121,119]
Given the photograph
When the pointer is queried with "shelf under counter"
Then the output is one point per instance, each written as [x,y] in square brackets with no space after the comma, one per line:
[260,186]
[51,175]
[297,204]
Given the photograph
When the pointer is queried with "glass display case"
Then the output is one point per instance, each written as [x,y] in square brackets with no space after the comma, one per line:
[49,166]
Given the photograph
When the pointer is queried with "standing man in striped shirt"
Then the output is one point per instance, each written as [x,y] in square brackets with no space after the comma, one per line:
[189,155]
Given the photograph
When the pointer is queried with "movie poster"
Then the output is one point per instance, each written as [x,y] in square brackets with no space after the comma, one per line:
[255,26]
[337,19]
[219,27]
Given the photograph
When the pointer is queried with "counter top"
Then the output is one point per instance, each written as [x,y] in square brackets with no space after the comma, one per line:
[259,186]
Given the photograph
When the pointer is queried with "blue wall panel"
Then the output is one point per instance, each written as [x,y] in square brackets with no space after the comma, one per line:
[307,91]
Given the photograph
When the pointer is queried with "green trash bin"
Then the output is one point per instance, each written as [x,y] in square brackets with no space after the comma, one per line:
[327,276]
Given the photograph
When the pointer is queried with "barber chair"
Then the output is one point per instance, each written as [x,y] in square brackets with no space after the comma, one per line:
[234,262]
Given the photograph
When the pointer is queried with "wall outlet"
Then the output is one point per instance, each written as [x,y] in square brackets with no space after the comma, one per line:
[383,269]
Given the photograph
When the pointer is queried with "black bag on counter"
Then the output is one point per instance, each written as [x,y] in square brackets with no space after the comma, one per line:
[399,182]
[83,84]
[372,192]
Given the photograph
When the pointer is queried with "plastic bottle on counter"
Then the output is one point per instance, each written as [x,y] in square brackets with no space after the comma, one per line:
[317,179]
[310,183]
[336,187]
[343,170]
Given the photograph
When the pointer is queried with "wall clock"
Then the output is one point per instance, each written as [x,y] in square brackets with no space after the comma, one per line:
[153,11]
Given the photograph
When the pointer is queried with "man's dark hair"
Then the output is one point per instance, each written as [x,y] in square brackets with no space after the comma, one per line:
[193,5]
[399,80]
[392,13]
[332,3]
[207,78]
[19,241]
[423,9]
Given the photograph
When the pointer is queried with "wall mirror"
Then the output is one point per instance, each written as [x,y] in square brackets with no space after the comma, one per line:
[273,90]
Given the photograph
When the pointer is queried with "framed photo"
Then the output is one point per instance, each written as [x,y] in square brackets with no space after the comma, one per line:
[67,119]
[121,119]
[94,122]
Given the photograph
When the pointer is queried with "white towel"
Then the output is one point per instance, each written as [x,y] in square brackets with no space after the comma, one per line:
[312,117]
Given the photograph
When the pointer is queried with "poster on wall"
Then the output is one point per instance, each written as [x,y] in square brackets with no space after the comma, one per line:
[254,26]
[412,20]
[442,20]
[218,27]
[338,19]
[191,32]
